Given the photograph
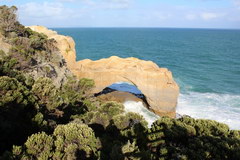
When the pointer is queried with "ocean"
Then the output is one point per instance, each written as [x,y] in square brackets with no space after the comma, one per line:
[205,63]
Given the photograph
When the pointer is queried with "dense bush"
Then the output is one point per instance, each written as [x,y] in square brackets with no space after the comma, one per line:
[7,68]
[123,121]
[69,142]
[187,138]
[17,107]
[118,131]
[103,114]
[40,105]
[74,90]
[47,93]
[75,140]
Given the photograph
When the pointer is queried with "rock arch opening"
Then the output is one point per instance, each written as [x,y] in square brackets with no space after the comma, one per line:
[125,91]
[131,97]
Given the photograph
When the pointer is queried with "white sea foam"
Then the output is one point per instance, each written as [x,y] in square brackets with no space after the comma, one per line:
[220,107]
[138,107]
[133,106]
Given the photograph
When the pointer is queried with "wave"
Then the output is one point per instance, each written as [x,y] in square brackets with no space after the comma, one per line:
[223,108]
[138,107]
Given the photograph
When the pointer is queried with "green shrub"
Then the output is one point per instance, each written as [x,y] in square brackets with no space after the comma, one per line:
[187,138]
[124,121]
[111,108]
[73,138]
[47,93]
[8,67]
[39,120]
[37,40]
[70,141]
[13,92]
[129,151]
[8,19]
[70,91]
[17,107]
[39,146]
[86,85]
[103,114]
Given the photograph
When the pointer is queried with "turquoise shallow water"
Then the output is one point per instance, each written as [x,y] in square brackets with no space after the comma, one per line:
[204,62]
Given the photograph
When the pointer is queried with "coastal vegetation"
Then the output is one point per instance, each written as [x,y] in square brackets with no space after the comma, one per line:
[43,119]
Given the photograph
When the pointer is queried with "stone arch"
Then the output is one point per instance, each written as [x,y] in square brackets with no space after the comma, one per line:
[155,83]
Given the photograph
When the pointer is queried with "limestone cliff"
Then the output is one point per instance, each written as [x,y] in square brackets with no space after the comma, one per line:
[157,84]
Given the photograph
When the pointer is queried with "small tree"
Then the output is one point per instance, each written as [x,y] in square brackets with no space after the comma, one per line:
[39,146]
[47,92]
[75,140]
[8,18]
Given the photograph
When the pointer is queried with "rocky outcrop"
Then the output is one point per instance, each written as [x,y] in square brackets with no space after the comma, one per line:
[155,83]
[57,69]
[65,44]
[37,63]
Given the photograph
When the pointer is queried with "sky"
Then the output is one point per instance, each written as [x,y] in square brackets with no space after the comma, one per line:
[129,13]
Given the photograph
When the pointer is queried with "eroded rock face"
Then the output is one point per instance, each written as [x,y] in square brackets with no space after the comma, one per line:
[155,83]
[49,64]
[65,44]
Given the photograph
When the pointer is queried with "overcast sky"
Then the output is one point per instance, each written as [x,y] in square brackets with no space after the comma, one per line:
[129,13]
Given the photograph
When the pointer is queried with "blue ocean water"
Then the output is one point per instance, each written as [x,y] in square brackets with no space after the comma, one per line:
[204,62]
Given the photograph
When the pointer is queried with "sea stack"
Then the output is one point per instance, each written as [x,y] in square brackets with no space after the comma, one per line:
[157,84]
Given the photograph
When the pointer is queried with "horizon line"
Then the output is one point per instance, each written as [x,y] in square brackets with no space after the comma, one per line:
[153,28]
